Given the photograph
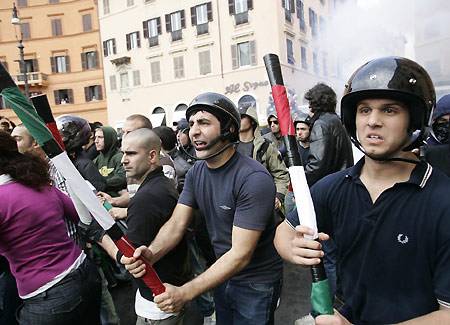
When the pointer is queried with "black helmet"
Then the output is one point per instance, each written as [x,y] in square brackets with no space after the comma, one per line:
[75,131]
[222,108]
[390,77]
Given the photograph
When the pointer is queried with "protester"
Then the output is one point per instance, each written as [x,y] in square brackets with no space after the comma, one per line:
[388,214]
[108,161]
[274,135]
[6,124]
[89,148]
[253,145]
[56,281]
[236,195]
[439,133]
[149,209]
[302,131]
[330,149]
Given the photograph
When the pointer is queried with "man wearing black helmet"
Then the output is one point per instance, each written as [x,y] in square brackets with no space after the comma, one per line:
[236,195]
[387,214]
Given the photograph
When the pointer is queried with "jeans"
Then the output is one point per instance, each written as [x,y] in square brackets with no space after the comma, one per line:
[108,314]
[9,298]
[172,320]
[246,303]
[74,300]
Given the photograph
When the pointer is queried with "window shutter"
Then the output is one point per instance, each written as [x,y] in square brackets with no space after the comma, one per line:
[249,4]
[57,99]
[100,92]
[145,28]
[231,7]
[70,95]
[234,57]
[283,3]
[253,59]
[183,19]
[158,23]
[105,49]
[194,16]
[52,64]
[292,6]
[168,24]
[114,45]
[86,94]
[138,39]
[128,42]
[67,63]
[83,61]
[35,65]
[298,5]
[209,11]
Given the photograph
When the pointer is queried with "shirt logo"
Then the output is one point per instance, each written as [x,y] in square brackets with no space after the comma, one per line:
[105,171]
[402,239]
[224,207]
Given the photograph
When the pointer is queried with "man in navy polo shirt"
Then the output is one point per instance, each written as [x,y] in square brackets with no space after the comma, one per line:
[389,215]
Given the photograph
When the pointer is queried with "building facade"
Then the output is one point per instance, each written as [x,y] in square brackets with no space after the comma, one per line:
[432,42]
[62,54]
[158,54]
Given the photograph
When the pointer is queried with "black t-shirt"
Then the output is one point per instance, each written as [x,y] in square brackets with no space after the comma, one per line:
[148,211]
[393,256]
[245,148]
[240,193]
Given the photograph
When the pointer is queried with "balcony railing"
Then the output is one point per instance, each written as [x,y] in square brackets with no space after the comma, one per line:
[202,29]
[33,78]
[241,18]
[177,35]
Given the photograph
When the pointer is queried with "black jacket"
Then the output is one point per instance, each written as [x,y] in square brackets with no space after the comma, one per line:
[89,172]
[439,157]
[330,149]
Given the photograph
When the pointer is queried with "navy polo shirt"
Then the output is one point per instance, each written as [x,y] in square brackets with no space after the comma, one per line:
[393,259]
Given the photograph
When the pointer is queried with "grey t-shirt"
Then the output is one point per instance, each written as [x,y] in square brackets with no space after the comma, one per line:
[240,193]
[245,148]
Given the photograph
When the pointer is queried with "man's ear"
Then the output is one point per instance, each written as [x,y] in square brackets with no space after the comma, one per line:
[35,145]
[152,155]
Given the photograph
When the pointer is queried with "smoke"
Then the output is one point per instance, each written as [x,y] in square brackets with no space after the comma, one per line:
[363,30]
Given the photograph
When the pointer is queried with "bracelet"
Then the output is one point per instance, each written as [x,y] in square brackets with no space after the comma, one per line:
[119,255]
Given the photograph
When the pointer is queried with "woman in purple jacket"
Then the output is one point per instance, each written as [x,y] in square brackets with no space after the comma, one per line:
[57,283]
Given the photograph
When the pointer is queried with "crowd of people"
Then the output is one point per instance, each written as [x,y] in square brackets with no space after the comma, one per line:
[209,204]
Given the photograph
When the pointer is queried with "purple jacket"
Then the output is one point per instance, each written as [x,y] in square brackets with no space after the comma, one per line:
[33,235]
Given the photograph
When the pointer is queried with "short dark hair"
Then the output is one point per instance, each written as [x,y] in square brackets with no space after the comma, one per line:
[322,98]
[167,136]
[145,122]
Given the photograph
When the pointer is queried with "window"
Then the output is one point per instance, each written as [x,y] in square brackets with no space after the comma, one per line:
[63,96]
[4,64]
[60,64]
[155,71]
[106,7]
[87,22]
[89,60]
[175,22]
[56,27]
[289,8]
[315,63]
[301,15]
[243,54]
[31,65]
[290,52]
[240,8]
[136,78]
[133,40]
[124,80]
[200,16]
[304,59]
[178,67]
[112,82]
[324,63]
[313,22]
[152,28]
[109,47]
[130,3]
[22,3]
[93,93]
[204,60]
[25,30]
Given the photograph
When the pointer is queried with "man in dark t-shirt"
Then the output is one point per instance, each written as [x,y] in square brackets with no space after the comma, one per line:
[149,209]
[236,195]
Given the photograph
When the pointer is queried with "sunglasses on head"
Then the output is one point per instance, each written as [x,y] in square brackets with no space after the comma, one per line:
[273,122]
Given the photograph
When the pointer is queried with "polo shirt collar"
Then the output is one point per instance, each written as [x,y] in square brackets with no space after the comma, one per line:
[419,176]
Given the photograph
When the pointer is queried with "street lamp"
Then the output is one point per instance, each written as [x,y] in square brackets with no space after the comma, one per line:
[15,20]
